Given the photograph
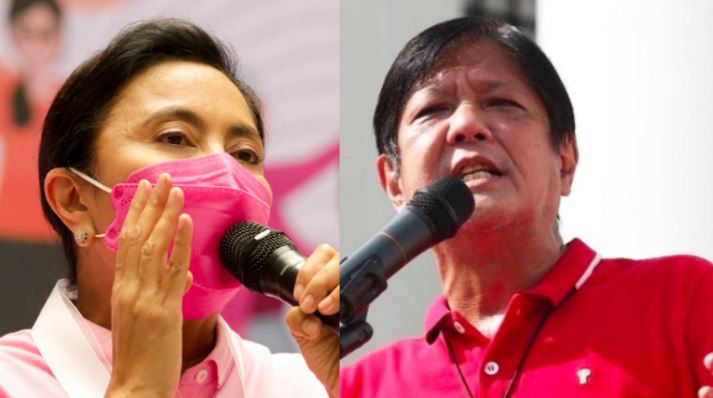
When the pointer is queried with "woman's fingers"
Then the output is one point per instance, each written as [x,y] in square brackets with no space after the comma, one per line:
[321,255]
[154,250]
[152,221]
[178,278]
[324,288]
[138,232]
[137,206]
[303,325]
[310,298]
[330,304]
[320,276]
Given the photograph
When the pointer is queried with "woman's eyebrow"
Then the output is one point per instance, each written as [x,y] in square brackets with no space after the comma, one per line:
[180,113]
[244,130]
[238,129]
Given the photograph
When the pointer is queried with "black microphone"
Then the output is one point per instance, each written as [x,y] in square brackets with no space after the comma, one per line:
[433,214]
[266,262]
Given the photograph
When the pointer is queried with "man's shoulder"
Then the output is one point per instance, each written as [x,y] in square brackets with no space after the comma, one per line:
[679,278]
[676,266]
[394,370]
[389,362]
[686,260]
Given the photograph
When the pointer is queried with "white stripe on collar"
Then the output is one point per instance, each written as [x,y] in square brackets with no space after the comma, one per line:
[588,272]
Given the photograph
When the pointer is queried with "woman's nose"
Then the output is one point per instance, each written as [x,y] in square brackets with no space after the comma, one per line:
[467,124]
[213,145]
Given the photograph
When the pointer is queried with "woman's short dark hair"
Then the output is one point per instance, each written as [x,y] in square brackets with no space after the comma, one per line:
[421,55]
[82,105]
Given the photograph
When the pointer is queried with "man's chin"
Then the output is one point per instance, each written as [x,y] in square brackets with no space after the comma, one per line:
[488,218]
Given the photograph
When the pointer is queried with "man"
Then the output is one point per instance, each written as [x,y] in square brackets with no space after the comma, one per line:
[522,314]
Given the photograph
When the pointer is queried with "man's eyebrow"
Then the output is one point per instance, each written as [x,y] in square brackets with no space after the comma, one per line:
[482,85]
[492,85]
[184,114]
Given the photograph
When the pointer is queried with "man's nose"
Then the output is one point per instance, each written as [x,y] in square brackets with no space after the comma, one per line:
[468,124]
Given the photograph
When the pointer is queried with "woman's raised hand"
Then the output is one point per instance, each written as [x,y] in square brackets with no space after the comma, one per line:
[146,311]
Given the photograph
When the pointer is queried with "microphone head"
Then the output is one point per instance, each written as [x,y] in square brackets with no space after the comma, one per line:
[448,203]
[246,249]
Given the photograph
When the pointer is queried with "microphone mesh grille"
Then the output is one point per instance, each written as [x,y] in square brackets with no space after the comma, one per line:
[245,257]
[448,203]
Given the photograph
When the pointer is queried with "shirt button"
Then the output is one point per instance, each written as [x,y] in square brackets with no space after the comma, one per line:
[491,368]
[458,327]
[201,376]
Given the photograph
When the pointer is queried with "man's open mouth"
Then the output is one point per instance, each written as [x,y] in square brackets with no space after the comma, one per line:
[479,172]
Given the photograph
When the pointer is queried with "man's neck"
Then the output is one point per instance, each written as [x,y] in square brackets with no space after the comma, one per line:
[480,275]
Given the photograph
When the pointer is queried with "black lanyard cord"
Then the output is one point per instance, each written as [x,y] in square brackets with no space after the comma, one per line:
[458,369]
[528,347]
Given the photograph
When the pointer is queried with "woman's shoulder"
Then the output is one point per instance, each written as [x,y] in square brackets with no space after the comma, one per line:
[24,371]
[266,371]
[19,347]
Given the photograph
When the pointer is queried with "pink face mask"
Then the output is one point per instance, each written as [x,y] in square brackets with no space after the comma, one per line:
[219,193]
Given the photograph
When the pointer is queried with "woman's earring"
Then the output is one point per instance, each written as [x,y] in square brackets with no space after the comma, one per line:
[81,236]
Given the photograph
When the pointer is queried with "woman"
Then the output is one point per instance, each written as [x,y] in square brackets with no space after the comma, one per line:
[142,148]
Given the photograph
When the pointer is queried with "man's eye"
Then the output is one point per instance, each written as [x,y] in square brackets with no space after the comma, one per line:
[431,110]
[174,138]
[502,102]
[247,156]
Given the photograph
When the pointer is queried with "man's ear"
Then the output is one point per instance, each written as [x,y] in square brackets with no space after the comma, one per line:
[67,195]
[569,156]
[390,181]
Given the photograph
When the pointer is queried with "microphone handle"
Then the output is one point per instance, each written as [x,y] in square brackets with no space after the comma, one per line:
[279,282]
[363,275]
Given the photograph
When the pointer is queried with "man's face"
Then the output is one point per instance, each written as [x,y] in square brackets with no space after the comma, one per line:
[478,119]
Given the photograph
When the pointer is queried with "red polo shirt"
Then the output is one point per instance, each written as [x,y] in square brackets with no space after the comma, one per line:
[589,328]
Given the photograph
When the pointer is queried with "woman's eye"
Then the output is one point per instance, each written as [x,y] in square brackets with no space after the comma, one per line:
[247,156]
[174,138]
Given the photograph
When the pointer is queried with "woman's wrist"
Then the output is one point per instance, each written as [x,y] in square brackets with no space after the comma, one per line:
[124,390]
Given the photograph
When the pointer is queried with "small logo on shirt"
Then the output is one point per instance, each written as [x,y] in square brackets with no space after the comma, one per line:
[583,376]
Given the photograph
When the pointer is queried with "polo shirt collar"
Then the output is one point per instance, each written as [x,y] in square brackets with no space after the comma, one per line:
[220,359]
[438,316]
[564,274]
[554,286]
[221,355]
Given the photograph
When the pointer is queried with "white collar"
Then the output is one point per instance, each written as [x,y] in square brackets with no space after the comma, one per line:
[69,355]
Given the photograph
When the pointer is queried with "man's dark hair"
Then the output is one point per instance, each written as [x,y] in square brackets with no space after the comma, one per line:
[18,6]
[420,58]
[82,105]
